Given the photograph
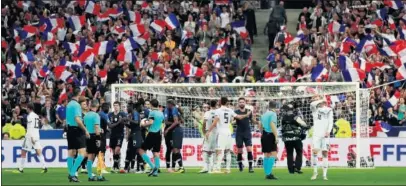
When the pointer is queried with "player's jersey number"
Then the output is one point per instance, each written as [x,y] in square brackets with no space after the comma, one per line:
[226,118]
[36,123]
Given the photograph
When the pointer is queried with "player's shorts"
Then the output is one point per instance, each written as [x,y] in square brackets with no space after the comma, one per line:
[91,146]
[116,141]
[224,141]
[321,143]
[152,141]
[135,140]
[174,138]
[210,144]
[76,138]
[29,144]
[243,138]
[268,142]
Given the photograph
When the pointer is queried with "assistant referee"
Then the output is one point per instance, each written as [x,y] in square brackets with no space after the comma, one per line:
[76,135]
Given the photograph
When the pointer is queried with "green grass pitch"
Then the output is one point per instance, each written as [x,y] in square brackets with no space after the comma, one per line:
[58,176]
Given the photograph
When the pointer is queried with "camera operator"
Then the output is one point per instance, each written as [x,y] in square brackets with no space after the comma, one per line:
[293,128]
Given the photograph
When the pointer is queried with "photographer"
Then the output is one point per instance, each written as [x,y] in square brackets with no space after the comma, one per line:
[292,134]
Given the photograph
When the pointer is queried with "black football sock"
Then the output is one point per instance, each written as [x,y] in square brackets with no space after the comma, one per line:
[84,162]
[179,159]
[239,160]
[174,158]
[168,159]
[116,158]
[250,159]
[126,164]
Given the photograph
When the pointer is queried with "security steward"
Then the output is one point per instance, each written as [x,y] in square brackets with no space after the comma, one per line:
[292,134]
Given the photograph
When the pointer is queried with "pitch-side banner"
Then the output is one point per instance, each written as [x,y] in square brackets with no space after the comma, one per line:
[386,152]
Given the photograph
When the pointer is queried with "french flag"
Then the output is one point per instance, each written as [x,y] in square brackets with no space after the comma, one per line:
[370,80]
[388,50]
[288,37]
[368,66]
[401,74]
[92,8]
[128,45]
[395,4]
[119,30]
[192,71]
[353,75]
[158,25]
[18,71]
[27,57]
[140,40]
[103,75]
[70,47]
[335,27]
[83,85]
[347,44]
[104,47]
[382,13]
[270,77]
[77,22]
[345,62]
[367,45]
[115,12]
[186,35]
[51,24]
[172,22]
[239,27]
[299,36]
[44,71]
[392,101]
[137,29]
[126,56]
[65,76]
[319,73]
[87,57]
[145,6]
[63,96]
[101,17]
[135,17]
[377,23]
[49,38]
[391,23]
[402,32]
[27,31]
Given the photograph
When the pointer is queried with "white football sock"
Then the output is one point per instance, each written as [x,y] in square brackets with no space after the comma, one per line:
[212,158]
[228,160]
[219,159]
[41,160]
[22,162]
[205,160]
[325,166]
[315,160]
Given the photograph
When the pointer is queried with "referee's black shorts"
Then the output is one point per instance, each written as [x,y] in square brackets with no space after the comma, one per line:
[268,142]
[91,146]
[152,142]
[76,138]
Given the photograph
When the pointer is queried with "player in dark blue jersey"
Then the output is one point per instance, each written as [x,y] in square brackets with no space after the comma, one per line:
[173,137]
[104,123]
[134,136]
[117,119]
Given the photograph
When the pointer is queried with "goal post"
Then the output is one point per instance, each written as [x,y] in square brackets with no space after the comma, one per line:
[350,102]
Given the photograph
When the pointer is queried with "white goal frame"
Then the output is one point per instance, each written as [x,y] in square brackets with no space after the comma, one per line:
[356,86]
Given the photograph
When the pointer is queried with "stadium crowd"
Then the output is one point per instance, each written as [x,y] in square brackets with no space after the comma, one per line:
[50,47]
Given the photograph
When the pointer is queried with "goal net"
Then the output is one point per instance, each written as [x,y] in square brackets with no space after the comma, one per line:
[349,103]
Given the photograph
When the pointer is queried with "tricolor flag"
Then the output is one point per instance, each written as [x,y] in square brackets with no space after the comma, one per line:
[395,4]
[115,12]
[18,70]
[402,32]
[401,74]
[145,6]
[92,8]
[65,76]
[119,30]
[105,16]
[103,75]
[104,47]
[27,31]
[158,25]
[51,24]
[239,27]
[87,57]
[77,22]
[345,62]
[346,45]
[140,40]
[370,80]
[367,45]
[171,21]
[222,2]
[186,35]
[126,56]
[27,57]
[137,29]
[70,47]
[392,101]
[382,13]
[335,27]
[391,23]
[299,36]
[44,71]
[319,73]
[270,77]
[192,71]
[353,75]
[134,16]
[49,38]
[128,45]
[63,96]
[83,85]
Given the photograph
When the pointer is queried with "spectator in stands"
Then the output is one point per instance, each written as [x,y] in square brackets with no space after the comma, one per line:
[380,115]
[48,115]
[6,136]
[392,117]
[401,109]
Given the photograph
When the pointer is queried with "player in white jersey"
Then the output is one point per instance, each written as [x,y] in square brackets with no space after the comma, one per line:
[322,126]
[222,122]
[209,144]
[31,140]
